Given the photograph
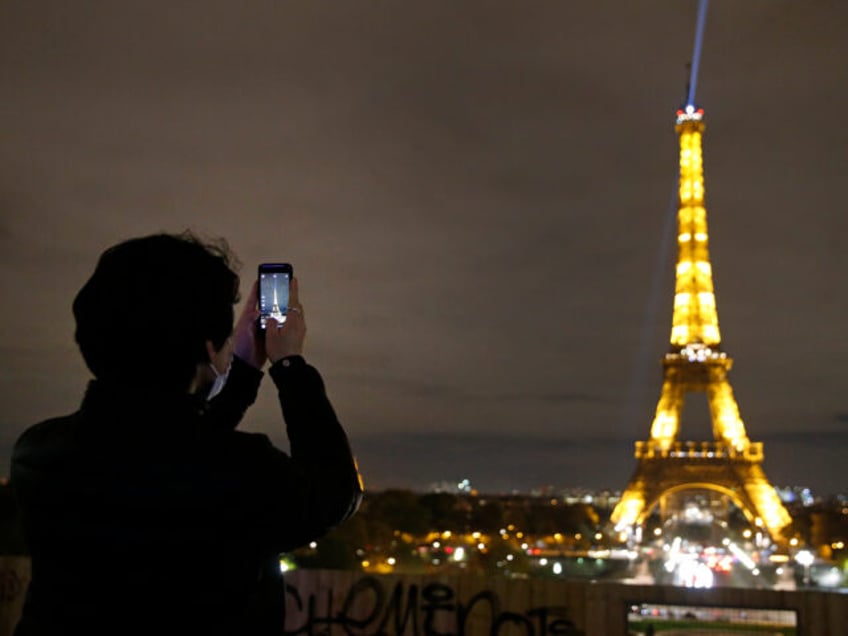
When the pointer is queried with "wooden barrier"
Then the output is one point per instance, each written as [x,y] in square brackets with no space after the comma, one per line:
[350,604]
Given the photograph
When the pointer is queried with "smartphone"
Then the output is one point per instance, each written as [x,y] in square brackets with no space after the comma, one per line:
[274,281]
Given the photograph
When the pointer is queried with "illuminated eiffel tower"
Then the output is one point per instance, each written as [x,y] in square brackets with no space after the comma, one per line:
[731,463]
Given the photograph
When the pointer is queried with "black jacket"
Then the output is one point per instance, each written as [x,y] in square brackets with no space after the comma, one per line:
[149,513]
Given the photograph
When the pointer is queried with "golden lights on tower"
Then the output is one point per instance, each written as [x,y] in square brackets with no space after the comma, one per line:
[695,319]
[696,364]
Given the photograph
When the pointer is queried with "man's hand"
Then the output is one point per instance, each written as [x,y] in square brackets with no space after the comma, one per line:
[287,339]
[248,346]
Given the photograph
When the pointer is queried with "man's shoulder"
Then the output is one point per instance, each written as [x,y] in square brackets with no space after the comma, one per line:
[47,431]
[42,444]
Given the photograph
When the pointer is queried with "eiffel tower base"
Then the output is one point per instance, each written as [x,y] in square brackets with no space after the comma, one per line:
[689,466]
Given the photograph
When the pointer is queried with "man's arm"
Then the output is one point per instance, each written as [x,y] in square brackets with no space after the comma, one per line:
[315,434]
[320,484]
[227,409]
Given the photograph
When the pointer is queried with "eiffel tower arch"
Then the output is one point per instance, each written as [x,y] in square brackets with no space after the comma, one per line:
[694,466]
[730,464]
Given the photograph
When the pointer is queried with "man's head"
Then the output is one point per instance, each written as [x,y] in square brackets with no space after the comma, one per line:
[150,306]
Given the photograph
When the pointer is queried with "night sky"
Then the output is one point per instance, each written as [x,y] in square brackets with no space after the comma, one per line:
[478,200]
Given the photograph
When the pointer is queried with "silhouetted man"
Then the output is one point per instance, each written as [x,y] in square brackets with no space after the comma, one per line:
[145,511]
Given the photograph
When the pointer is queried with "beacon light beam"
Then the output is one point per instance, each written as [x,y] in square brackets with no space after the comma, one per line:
[730,464]
[696,53]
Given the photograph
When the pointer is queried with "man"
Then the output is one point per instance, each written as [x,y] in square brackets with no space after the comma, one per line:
[145,511]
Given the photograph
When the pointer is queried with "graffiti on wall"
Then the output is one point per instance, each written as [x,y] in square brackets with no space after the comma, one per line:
[434,609]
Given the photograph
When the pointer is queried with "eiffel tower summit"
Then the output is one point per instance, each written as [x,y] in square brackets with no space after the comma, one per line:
[728,467]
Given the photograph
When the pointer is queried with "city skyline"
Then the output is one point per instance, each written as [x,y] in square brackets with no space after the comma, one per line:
[478,201]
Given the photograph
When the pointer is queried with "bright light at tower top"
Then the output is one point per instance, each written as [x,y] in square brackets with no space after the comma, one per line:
[690,113]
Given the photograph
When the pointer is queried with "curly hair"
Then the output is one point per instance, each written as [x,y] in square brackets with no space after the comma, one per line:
[151,304]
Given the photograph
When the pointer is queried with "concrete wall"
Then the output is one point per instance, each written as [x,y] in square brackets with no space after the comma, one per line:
[350,603]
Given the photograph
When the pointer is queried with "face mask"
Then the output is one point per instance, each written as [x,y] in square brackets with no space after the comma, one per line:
[220,381]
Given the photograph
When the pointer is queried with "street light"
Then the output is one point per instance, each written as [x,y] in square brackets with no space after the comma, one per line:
[805,558]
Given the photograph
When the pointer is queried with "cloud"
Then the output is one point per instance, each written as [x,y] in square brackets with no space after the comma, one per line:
[473,194]
[420,388]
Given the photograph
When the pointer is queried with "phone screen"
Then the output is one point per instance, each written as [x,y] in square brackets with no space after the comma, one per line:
[274,282]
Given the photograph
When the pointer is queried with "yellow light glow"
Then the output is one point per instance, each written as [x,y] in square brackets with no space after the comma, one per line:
[774,515]
[664,428]
[627,512]
[682,299]
[694,319]
[711,335]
